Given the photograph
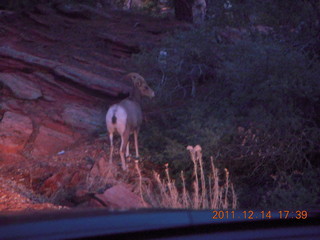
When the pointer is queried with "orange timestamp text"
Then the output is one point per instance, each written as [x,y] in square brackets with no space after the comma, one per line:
[253,214]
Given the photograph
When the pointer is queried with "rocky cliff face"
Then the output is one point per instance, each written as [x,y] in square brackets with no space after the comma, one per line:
[59,71]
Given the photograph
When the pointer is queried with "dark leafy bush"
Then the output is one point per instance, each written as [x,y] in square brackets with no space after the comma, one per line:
[17,4]
[29,4]
[253,106]
[293,191]
[275,13]
[179,67]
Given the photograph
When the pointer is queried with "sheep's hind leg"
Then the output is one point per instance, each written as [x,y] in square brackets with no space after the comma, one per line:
[111,147]
[135,133]
[127,150]
[124,142]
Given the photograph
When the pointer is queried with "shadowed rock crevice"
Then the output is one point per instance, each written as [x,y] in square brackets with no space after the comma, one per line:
[27,149]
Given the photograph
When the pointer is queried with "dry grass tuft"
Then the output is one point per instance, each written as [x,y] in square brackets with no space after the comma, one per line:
[214,193]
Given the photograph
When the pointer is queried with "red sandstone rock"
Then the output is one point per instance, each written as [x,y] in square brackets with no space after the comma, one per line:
[74,74]
[15,130]
[21,87]
[84,117]
[120,196]
[61,72]
[49,142]
[54,183]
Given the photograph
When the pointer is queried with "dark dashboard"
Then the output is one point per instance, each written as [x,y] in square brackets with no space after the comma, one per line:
[160,224]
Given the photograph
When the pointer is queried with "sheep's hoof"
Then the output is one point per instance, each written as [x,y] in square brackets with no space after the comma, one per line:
[136,158]
[129,158]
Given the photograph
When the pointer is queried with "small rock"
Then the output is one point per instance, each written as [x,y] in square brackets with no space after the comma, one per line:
[120,197]
[61,152]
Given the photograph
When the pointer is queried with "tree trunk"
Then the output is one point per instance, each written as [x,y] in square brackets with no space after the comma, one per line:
[183,10]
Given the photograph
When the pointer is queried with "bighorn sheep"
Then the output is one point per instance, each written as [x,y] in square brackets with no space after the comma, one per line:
[125,117]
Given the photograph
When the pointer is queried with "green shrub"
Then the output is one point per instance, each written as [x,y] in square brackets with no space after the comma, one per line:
[273,13]
[254,108]
[185,57]
[29,4]
[294,191]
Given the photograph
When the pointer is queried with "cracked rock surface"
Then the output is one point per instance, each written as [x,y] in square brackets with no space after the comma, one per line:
[60,69]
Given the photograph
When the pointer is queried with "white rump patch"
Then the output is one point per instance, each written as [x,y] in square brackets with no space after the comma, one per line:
[121,119]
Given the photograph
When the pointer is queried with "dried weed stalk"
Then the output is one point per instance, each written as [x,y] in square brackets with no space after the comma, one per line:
[216,193]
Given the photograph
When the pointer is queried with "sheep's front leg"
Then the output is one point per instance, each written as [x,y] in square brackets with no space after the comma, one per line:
[127,149]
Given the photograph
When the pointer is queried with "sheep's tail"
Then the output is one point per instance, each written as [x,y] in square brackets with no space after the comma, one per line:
[114,118]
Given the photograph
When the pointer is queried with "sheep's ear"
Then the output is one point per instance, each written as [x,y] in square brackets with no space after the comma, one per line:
[136,81]
[135,78]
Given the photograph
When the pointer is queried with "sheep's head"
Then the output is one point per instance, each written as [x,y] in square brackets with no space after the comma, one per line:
[140,83]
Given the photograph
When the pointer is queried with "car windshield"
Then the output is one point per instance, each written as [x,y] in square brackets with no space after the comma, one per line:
[156,104]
